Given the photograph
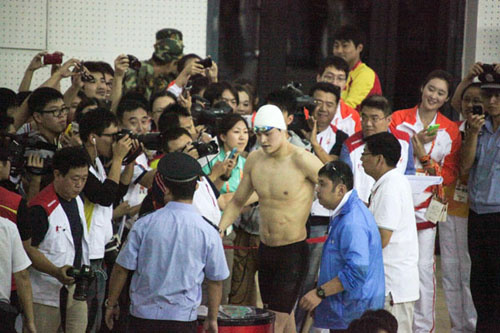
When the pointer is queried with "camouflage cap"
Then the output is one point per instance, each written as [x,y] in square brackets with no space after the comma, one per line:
[168,33]
[169,45]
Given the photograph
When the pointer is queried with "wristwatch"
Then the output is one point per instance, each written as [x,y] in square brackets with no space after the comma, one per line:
[320,292]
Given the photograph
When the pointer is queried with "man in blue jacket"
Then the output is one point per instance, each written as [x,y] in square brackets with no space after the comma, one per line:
[351,278]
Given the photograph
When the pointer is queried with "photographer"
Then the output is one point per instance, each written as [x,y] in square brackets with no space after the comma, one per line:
[98,129]
[155,74]
[60,242]
[158,103]
[206,195]
[480,157]
[50,114]
[133,116]
[222,92]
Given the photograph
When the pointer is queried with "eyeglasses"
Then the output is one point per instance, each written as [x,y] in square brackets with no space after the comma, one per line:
[373,119]
[111,135]
[262,129]
[56,112]
[334,78]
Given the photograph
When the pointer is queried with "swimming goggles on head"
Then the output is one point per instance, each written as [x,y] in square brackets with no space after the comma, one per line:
[262,129]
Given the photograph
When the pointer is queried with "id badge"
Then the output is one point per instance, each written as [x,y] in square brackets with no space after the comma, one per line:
[434,211]
[461,193]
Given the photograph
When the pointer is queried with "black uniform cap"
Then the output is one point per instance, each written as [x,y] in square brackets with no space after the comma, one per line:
[179,167]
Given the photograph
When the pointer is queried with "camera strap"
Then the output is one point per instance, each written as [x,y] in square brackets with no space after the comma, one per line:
[63,303]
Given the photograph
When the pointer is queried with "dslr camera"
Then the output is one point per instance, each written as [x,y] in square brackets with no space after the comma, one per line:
[83,277]
[489,75]
[150,141]
[205,149]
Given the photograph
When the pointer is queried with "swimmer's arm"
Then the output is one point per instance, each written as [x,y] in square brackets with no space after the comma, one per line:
[240,198]
[310,165]
[225,198]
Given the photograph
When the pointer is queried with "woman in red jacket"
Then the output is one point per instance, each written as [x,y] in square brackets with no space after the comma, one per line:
[436,144]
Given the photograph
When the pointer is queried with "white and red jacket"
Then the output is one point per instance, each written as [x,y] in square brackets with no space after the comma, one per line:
[444,150]
[57,246]
[346,119]
[351,154]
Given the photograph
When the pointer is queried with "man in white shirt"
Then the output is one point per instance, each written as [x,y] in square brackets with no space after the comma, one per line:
[392,205]
[14,260]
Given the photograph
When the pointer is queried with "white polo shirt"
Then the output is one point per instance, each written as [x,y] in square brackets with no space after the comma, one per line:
[391,203]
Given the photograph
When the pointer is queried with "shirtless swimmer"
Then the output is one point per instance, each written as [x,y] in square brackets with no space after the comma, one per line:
[284,177]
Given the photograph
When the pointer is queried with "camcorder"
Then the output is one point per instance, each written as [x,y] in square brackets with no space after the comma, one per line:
[83,277]
[210,116]
[19,147]
[303,110]
[150,141]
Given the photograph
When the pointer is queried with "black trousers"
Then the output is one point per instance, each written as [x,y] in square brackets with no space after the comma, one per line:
[484,250]
[139,325]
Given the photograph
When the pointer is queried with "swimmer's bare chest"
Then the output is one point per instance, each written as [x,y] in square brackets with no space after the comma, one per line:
[285,198]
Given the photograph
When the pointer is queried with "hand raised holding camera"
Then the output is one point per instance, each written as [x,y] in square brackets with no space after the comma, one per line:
[66,69]
[476,122]
[36,62]
[121,65]
[475,71]
[122,147]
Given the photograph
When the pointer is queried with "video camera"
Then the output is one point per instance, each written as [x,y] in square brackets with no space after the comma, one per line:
[151,141]
[304,108]
[19,146]
[211,117]
[83,277]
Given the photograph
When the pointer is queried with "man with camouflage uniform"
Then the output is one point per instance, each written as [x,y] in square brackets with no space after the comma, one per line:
[156,73]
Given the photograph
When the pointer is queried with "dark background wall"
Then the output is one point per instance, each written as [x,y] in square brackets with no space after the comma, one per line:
[275,42]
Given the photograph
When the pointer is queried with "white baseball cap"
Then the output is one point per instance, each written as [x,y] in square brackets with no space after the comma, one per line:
[269,116]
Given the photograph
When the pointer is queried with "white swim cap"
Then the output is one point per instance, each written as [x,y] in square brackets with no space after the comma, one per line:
[269,116]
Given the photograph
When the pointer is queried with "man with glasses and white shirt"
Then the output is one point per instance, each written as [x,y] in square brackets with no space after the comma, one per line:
[375,118]
[391,203]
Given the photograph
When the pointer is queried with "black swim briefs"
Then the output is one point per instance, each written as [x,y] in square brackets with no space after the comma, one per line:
[282,270]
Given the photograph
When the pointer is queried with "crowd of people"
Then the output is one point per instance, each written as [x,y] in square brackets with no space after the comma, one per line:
[149,188]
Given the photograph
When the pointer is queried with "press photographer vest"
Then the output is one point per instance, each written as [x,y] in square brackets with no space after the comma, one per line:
[98,218]
[9,203]
[57,246]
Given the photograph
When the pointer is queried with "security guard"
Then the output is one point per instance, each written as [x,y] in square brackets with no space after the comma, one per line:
[171,251]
